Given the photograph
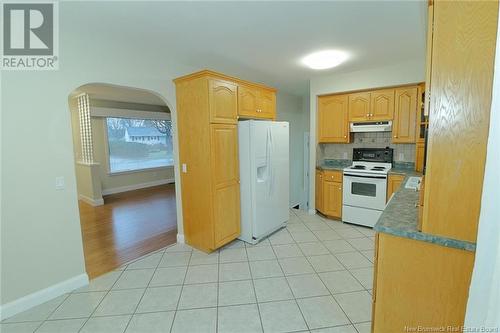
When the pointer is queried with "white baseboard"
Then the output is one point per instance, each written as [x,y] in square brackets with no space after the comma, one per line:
[90,201]
[137,186]
[180,238]
[27,302]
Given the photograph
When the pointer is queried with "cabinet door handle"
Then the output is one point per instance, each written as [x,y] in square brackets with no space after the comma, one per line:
[345,136]
[395,136]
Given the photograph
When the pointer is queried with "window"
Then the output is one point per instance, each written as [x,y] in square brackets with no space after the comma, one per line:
[138,144]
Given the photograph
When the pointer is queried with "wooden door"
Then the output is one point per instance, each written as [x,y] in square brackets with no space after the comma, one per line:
[333,122]
[393,184]
[248,102]
[332,198]
[223,99]
[267,104]
[382,104]
[319,191]
[359,106]
[405,115]
[226,189]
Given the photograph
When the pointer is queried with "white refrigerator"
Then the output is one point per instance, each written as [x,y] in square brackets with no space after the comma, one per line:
[264,177]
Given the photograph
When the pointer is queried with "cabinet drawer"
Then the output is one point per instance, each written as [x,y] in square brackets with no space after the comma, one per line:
[332,176]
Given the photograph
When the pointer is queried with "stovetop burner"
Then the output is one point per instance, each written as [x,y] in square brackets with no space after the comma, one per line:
[378,168]
[362,167]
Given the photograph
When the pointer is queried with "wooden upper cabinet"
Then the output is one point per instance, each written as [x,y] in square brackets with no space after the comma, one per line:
[267,104]
[333,119]
[256,102]
[405,115]
[359,106]
[382,104]
[419,156]
[223,101]
[247,101]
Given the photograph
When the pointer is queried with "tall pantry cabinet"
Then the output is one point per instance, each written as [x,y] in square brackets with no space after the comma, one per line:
[209,105]
[208,152]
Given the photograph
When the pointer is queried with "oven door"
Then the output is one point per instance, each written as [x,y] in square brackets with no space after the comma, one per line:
[366,191]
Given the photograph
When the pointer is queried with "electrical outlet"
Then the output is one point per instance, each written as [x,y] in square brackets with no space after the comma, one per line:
[401,156]
[184,168]
[59,183]
[344,155]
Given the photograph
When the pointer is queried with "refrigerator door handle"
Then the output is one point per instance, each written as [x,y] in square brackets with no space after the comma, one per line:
[268,161]
[271,165]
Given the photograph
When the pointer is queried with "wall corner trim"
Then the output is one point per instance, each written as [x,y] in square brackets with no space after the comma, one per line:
[180,238]
[90,201]
[41,296]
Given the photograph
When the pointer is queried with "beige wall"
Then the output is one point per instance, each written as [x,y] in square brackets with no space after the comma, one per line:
[289,108]
[41,243]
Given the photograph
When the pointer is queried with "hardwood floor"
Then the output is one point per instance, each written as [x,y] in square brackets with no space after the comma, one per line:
[128,226]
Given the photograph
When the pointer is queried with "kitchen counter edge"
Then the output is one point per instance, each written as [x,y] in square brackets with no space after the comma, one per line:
[400,216]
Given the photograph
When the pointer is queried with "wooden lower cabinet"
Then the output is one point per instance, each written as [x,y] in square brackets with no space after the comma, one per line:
[332,199]
[329,193]
[319,191]
[394,181]
[419,284]
[226,213]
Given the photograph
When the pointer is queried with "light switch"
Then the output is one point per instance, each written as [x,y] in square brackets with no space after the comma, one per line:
[59,183]
[184,168]
[401,156]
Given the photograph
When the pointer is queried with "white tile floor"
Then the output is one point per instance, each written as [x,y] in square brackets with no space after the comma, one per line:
[315,275]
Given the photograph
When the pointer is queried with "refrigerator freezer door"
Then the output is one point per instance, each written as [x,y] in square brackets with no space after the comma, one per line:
[271,196]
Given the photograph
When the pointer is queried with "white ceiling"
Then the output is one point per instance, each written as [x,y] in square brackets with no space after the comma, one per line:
[262,41]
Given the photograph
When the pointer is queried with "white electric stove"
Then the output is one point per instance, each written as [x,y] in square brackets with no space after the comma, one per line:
[365,185]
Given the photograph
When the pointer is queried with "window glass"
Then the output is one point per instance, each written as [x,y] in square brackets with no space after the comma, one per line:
[367,190]
[137,144]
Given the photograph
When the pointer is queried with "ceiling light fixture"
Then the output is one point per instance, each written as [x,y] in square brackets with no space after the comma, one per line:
[324,59]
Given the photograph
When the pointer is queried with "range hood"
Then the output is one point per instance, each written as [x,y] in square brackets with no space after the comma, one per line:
[372,126]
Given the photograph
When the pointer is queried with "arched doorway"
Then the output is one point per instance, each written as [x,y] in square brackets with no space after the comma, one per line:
[124,167]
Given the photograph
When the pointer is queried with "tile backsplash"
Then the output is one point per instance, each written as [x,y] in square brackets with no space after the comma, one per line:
[402,152]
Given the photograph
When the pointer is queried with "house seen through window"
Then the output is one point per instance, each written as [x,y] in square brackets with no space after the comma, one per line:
[137,144]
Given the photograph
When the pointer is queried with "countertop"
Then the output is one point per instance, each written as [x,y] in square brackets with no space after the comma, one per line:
[333,164]
[339,165]
[400,216]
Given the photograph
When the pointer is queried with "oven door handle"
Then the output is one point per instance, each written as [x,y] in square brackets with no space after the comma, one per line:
[360,176]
